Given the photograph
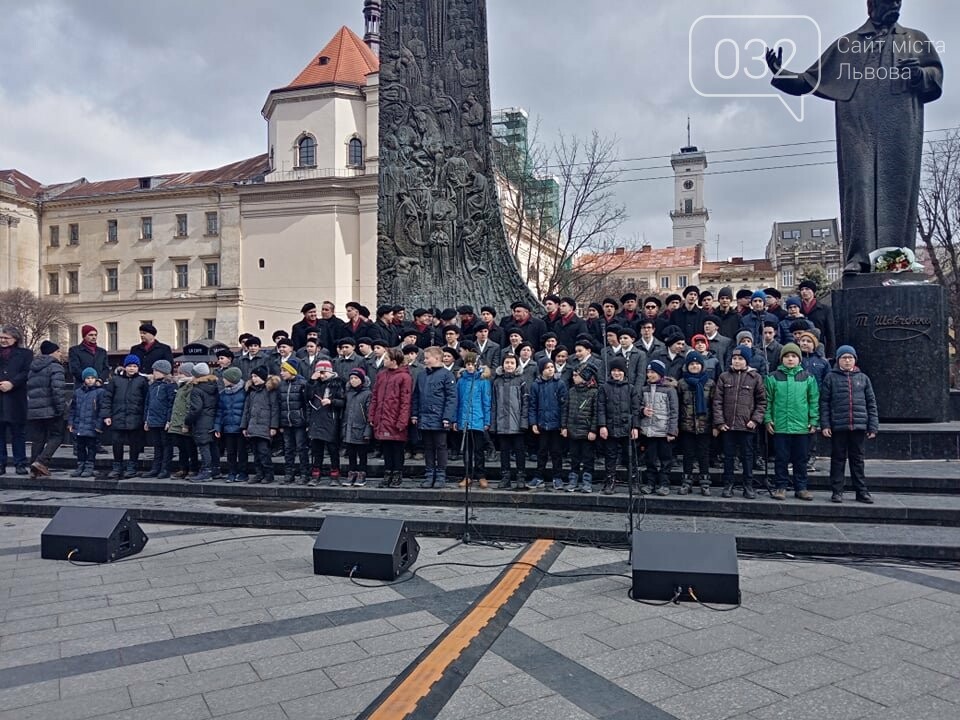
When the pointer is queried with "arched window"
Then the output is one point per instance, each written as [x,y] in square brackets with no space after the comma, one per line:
[307,152]
[355,153]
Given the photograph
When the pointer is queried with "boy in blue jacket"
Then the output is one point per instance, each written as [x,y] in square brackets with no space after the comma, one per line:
[434,410]
[84,421]
[156,416]
[473,417]
[548,401]
[227,425]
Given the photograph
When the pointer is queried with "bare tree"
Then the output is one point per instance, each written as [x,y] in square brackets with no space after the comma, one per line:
[939,225]
[562,202]
[37,318]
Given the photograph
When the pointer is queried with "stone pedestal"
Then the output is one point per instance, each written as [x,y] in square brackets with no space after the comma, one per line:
[898,325]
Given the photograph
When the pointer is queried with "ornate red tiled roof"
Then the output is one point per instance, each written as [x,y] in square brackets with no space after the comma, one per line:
[647,258]
[239,171]
[24,185]
[346,60]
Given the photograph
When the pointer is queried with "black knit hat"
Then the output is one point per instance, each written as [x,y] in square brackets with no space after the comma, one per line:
[618,363]
[47,347]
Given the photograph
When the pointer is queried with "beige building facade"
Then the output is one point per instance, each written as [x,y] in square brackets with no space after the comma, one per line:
[214,253]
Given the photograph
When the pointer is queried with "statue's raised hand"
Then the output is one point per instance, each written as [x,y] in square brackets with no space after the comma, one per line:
[775,60]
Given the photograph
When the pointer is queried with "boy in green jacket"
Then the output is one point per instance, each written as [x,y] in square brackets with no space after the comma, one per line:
[793,414]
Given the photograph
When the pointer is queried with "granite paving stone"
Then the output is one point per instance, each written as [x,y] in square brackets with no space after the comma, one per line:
[827,702]
[245,631]
[894,685]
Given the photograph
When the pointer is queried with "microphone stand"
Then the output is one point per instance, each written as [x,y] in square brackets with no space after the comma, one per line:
[630,470]
[466,447]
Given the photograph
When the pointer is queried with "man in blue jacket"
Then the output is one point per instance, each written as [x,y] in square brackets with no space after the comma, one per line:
[434,410]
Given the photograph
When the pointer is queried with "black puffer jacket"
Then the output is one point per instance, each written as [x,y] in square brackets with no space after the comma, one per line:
[356,415]
[508,404]
[124,400]
[261,413]
[204,399]
[292,396]
[580,412]
[324,420]
[618,408]
[45,389]
[847,402]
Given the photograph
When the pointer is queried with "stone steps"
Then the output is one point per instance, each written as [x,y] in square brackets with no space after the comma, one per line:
[585,525]
[889,508]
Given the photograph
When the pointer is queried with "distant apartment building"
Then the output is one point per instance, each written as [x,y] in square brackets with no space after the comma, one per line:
[738,273]
[799,245]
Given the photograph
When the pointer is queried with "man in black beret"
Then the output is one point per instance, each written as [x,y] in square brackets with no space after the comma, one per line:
[488,316]
[727,312]
[355,325]
[383,328]
[427,334]
[773,303]
[551,303]
[149,349]
[530,328]
[689,316]
[743,300]
[469,322]
[310,321]
[569,325]
[628,315]
[706,301]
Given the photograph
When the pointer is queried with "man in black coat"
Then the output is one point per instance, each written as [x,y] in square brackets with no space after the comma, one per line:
[469,322]
[383,328]
[88,354]
[569,326]
[310,321]
[689,317]
[150,350]
[488,315]
[333,325]
[14,372]
[356,325]
[529,327]
[727,311]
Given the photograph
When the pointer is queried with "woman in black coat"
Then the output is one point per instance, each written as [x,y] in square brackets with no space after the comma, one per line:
[14,371]
[122,412]
[45,405]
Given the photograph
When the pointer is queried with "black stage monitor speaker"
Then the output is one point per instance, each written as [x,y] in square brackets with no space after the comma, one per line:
[379,548]
[666,561]
[89,534]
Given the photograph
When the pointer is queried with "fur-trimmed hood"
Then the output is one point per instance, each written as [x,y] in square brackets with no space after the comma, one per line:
[272,383]
[483,373]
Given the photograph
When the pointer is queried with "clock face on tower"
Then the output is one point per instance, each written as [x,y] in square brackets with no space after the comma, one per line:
[688,184]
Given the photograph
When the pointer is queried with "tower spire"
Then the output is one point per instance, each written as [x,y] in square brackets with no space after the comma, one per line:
[371,24]
[688,132]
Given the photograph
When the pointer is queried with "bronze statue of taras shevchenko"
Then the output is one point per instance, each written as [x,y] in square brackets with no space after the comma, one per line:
[879,77]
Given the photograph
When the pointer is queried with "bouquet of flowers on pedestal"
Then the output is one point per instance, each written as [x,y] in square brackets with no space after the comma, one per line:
[894,260]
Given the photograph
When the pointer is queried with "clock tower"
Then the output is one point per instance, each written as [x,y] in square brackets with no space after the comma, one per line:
[689,215]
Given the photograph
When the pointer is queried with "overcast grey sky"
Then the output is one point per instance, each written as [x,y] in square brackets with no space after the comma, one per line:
[113,88]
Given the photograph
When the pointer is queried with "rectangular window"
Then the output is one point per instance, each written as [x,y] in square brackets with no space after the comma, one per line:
[211,274]
[833,274]
[795,234]
[146,277]
[786,278]
[146,228]
[74,334]
[210,325]
[785,235]
[73,229]
[183,332]
[825,232]
[213,223]
[112,278]
[682,281]
[815,232]
[113,336]
[182,225]
[111,231]
[181,276]
[73,282]
[688,206]
[53,283]
[665,282]
[54,236]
